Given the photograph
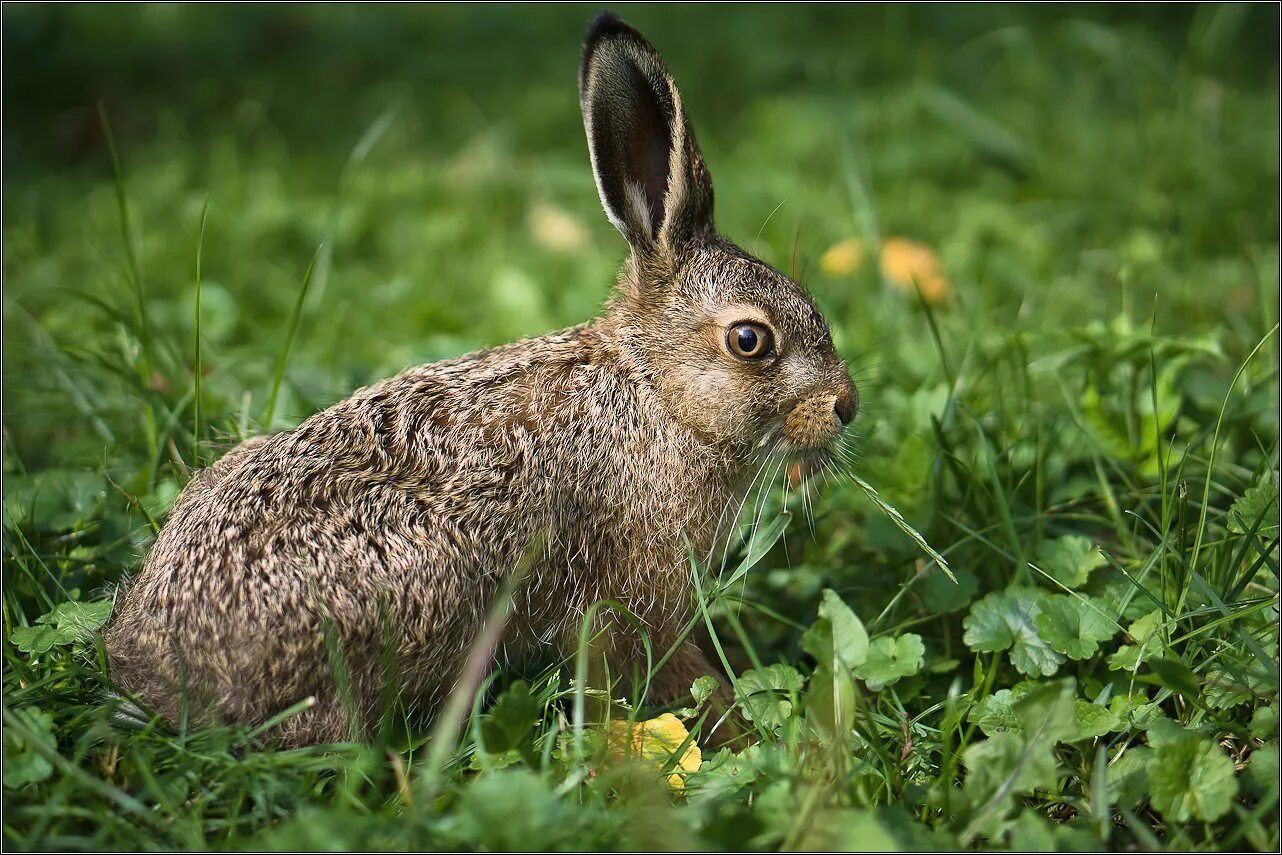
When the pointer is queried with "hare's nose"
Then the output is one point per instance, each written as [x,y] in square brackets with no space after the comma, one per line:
[847,405]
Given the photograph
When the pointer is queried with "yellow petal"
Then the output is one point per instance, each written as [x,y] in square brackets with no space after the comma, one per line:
[843,258]
[936,290]
[655,741]
[903,262]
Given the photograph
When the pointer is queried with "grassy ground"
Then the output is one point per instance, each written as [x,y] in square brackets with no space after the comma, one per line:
[1082,417]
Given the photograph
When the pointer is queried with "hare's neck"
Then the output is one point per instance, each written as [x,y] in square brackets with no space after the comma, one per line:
[614,334]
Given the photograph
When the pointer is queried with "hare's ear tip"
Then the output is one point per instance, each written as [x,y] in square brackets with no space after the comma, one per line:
[603,23]
[607,25]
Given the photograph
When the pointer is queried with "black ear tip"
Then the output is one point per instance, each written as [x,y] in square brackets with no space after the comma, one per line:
[603,23]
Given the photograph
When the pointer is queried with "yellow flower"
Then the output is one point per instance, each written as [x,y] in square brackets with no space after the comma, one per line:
[843,258]
[556,229]
[903,261]
[655,741]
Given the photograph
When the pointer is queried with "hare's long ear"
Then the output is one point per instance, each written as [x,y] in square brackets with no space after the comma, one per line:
[653,183]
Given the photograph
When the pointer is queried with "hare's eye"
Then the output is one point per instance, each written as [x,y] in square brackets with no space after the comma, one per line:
[750,341]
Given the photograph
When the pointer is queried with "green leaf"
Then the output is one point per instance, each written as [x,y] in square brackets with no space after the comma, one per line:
[1134,711]
[509,725]
[837,633]
[1029,832]
[884,829]
[996,713]
[161,499]
[23,764]
[890,659]
[1015,762]
[1144,629]
[1128,777]
[724,772]
[998,769]
[1120,599]
[1177,677]
[1264,722]
[1000,713]
[1125,658]
[1095,413]
[1257,504]
[830,701]
[1073,626]
[52,500]
[1148,634]
[1235,681]
[1262,768]
[1092,720]
[68,623]
[703,688]
[1048,713]
[766,693]
[510,810]
[1190,777]
[1006,620]
[1069,559]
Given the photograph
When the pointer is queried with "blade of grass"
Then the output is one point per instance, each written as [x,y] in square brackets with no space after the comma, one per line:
[1215,443]
[449,724]
[898,519]
[283,358]
[126,228]
[199,367]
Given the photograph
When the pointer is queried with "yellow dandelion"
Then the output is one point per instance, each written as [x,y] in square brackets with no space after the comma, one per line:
[655,741]
[842,258]
[903,262]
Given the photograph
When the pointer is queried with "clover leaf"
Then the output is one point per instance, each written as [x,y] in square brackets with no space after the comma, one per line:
[1006,620]
[766,693]
[66,624]
[1074,626]
[889,659]
[23,762]
[1189,776]
[1259,504]
[1069,559]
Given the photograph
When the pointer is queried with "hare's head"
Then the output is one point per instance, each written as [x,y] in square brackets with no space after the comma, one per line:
[736,349]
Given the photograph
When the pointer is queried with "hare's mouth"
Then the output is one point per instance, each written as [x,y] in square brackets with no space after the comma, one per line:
[805,464]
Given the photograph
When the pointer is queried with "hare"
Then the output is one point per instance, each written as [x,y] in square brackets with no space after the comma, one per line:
[381,528]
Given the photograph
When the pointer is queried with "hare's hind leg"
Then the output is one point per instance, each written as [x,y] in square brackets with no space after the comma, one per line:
[324,721]
[673,682]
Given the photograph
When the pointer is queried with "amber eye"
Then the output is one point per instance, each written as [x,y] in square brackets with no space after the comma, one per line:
[750,341]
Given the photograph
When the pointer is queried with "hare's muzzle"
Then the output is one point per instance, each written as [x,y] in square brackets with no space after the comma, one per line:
[814,424]
[816,421]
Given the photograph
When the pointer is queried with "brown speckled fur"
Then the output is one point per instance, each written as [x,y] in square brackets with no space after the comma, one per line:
[387,522]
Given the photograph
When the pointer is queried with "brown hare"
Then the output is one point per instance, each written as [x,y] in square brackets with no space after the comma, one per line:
[598,455]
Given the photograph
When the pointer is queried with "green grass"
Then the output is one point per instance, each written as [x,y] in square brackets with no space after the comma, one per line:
[1086,433]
